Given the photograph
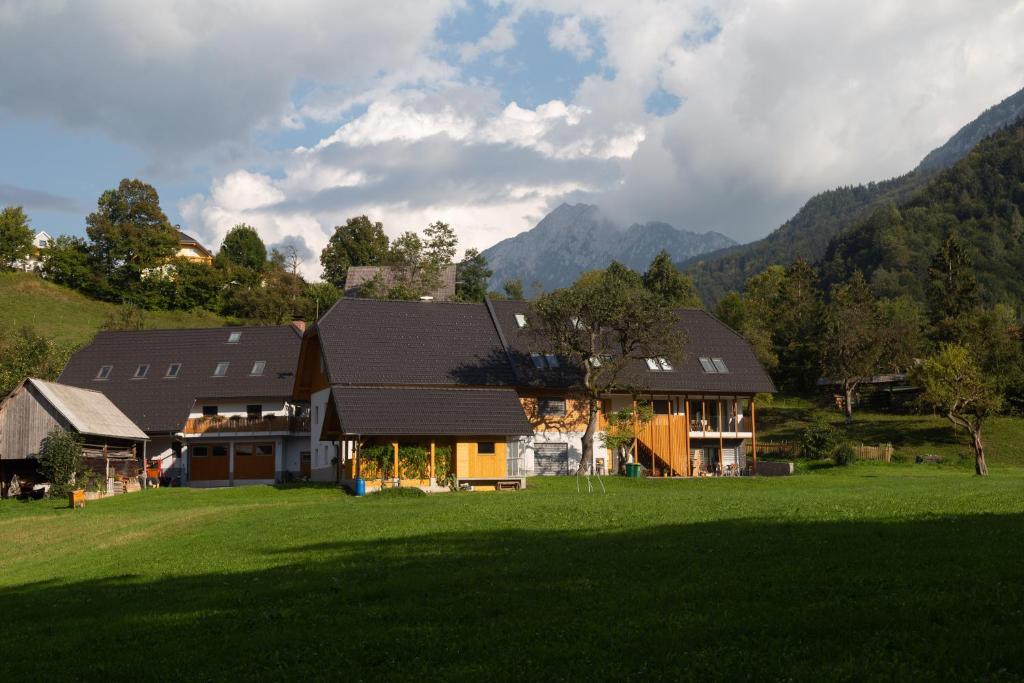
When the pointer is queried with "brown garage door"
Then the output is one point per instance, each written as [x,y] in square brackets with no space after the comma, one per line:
[254,460]
[208,462]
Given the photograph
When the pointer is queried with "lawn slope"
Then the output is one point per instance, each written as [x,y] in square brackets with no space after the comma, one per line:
[870,572]
[71,317]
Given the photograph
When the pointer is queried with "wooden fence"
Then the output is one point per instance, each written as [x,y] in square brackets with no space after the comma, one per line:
[881,452]
[790,450]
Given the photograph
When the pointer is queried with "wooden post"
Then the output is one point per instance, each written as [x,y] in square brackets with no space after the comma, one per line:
[397,476]
[753,432]
[721,437]
[703,415]
[636,427]
[671,443]
[433,451]
[686,432]
[736,416]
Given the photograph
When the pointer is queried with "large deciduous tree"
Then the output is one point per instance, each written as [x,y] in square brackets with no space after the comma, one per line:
[360,242]
[243,248]
[128,234]
[15,237]
[851,341]
[471,277]
[26,353]
[954,383]
[66,262]
[604,323]
[665,280]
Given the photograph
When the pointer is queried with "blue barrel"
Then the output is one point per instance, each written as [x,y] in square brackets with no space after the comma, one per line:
[360,486]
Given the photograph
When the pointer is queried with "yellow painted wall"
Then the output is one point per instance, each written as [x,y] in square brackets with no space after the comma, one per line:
[470,464]
[575,419]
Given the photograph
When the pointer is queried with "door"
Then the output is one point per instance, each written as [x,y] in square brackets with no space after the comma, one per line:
[551,458]
[208,462]
[304,462]
[254,460]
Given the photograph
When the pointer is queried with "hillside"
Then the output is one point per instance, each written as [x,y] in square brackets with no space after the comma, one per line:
[71,317]
[981,198]
[573,239]
[825,215]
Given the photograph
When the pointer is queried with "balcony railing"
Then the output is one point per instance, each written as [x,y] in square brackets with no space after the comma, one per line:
[268,423]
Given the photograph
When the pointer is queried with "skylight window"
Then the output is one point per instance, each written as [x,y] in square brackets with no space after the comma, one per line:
[707,365]
[658,364]
[720,365]
[595,361]
[141,371]
[173,370]
[715,366]
[544,361]
[538,361]
[234,337]
[520,320]
[552,360]
[258,367]
[221,370]
[104,372]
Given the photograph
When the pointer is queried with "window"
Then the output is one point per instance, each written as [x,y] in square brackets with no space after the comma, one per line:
[485,448]
[538,361]
[665,365]
[141,371]
[234,337]
[552,360]
[551,406]
[520,320]
[219,451]
[595,361]
[544,361]
[173,370]
[258,367]
[713,365]
[209,411]
[652,364]
[658,364]
[254,411]
[200,451]
[660,407]
[104,372]
[221,369]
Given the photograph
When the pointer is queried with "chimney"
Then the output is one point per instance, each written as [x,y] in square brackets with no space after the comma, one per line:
[299,325]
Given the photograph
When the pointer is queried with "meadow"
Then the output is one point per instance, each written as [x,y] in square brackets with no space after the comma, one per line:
[868,572]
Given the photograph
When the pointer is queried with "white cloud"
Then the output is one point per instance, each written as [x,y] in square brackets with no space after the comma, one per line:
[569,35]
[500,38]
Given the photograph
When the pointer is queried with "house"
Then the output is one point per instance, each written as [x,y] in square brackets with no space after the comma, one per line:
[190,249]
[389,276]
[36,407]
[467,379]
[35,260]
[214,402]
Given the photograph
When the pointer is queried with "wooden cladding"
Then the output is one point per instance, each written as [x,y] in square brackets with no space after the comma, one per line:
[267,423]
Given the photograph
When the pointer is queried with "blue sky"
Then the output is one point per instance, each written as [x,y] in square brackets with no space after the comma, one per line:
[711,116]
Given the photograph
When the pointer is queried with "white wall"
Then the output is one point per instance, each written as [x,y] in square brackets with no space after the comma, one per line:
[271,406]
[321,452]
[575,444]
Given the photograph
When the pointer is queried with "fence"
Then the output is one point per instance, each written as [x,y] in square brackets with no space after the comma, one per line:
[881,452]
[789,450]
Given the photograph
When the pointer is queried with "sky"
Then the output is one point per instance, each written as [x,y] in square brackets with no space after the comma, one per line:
[292,116]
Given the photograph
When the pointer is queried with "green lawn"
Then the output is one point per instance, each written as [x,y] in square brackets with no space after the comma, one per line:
[871,572]
[71,317]
[911,435]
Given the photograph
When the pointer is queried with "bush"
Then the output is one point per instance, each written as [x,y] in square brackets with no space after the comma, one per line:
[61,461]
[819,439]
[400,492]
[844,455]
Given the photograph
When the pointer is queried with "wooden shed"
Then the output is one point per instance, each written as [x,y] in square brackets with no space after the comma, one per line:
[37,407]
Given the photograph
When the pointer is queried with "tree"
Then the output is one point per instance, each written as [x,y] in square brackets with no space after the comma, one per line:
[665,280]
[513,289]
[129,234]
[127,316]
[732,310]
[26,353]
[275,300]
[471,277]
[360,242]
[954,383]
[243,248]
[15,237]
[604,323]
[623,426]
[850,346]
[795,320]
[60,461]
[902,323]
[66,262]
[317,297]
[440,243]
[952,291]
[196,285]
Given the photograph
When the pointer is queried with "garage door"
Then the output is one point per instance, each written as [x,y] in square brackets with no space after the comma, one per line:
[551,458]
[254,461]
[208,462]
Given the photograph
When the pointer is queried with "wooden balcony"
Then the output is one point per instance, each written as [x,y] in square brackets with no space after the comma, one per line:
[246,425]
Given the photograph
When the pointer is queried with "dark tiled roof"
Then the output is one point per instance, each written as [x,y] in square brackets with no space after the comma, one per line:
[705,336]
[159,404]
[366,342]
[358,276]
[369,411]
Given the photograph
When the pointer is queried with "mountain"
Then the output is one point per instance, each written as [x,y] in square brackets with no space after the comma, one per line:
[980,198]
[825,215]
[576,238]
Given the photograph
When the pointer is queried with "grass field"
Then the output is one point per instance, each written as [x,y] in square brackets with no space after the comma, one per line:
[911,435]
[71,317]
[870,572]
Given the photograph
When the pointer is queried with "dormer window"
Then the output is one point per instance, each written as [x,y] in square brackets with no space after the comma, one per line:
[104,372]
[715,366]
[520,320]
[141,372]
[658,364]
[173,370]
[220,370]
[258,367]
[234,337]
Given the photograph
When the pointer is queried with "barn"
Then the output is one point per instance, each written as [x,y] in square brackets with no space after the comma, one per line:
[110,440]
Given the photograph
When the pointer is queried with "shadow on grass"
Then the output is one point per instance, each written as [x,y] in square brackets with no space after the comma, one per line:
[929,599]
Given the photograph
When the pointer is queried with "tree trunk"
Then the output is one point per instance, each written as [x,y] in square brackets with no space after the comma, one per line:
[980,468]
[848,402]
[588,441]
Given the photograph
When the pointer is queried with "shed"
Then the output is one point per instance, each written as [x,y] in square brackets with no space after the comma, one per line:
[36,407]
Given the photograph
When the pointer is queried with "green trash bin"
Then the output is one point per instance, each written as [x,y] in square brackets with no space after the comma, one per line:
[633,470]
